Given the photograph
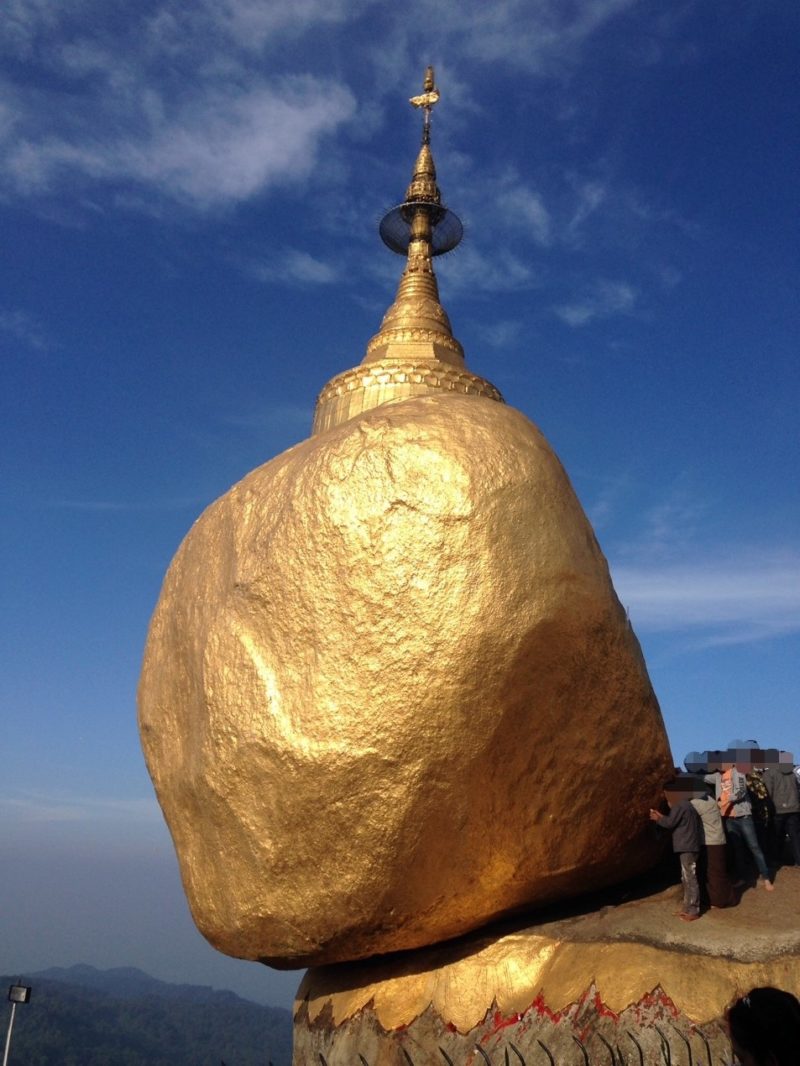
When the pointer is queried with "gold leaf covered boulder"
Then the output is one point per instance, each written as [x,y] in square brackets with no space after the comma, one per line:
[389,691]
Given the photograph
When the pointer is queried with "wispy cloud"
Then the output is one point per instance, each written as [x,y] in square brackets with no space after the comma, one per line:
[589,196]
[125,506]
[606,500]
[605,298]
[286,416]
[224,146]
[171,100]
[746,597]
[668,276]
[499,334]
[671,524]
[674,576]
[525,208]
[294,267]
[663,530]
[25,328]
[43,807]
[252,23]
[468,269]
[536,35]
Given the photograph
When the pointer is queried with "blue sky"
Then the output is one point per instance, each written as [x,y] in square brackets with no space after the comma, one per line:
[189,193]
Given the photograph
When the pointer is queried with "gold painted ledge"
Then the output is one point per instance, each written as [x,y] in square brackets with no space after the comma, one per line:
[625,952]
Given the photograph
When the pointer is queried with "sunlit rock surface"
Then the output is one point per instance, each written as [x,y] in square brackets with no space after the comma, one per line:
[389,692]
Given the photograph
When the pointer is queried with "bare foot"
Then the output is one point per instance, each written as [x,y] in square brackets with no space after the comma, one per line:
[769,886]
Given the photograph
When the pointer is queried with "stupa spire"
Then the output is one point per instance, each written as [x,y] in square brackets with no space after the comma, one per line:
[414,351]
[411,228]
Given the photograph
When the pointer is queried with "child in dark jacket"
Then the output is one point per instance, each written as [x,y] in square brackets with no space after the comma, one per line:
[684,823]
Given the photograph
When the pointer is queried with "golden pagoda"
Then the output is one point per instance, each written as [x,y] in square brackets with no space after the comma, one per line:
[393,709]
[373,659]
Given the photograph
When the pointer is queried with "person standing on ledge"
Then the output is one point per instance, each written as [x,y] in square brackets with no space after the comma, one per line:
[731,794]
[713,862]
[684,823]
[781,784]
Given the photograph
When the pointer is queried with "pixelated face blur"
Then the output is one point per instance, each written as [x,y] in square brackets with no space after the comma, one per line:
[747,759]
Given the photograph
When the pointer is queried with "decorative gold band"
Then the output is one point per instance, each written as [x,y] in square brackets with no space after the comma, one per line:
[373,384]
[412,335]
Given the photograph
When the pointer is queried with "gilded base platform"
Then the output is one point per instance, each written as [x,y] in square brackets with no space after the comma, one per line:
[625,983]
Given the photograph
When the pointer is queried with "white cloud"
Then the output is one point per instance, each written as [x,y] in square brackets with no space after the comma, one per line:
[470,270]
[295,267]
[603,507]
[500,334]
[23,20]
[590,195]
[24,328]
[668,529]
[671,524]
[177,503]
[172,100]
[251,23]
[224,146]
[28,807]
[8,119]
[173,26]
[604,299]
[526,208]
[285,416]
[668,276]
[744,598]
[536,35]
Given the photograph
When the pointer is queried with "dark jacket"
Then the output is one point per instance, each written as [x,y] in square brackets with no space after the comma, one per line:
[782,787]
[685,825]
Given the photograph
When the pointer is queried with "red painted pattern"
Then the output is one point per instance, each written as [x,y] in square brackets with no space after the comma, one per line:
[541,1008]
[498,1022]
[603,1010]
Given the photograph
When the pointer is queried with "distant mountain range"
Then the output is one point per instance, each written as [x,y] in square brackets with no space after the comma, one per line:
[82,1016]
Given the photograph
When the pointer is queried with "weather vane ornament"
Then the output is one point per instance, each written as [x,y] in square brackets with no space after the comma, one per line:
[426,100]
[376,660]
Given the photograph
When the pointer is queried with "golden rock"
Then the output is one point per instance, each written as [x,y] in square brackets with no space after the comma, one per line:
[388,691]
